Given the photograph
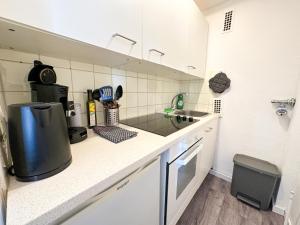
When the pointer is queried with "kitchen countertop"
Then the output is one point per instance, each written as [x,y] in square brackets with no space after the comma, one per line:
[96,164]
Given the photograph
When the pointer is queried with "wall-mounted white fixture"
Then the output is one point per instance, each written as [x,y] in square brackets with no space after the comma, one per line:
[282,108]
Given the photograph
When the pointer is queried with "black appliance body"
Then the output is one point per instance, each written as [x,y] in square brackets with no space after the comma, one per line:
[59,93]
[159,123]
[50,93]
[42,73]
[39,142]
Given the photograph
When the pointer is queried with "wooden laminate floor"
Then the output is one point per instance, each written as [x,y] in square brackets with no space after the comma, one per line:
[214,205]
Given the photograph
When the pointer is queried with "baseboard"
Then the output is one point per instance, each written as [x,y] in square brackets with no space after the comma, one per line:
[279,210]
[221,175]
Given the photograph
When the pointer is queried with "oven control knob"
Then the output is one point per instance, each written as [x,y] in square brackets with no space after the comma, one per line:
[191,119]
[184,118]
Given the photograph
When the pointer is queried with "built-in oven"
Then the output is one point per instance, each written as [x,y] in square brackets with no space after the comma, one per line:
[182,180]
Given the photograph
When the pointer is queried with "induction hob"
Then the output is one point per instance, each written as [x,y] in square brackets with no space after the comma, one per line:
[159,123]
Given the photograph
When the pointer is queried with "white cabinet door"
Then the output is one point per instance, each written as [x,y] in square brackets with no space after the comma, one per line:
[133,201]
[113,24]
[165,27]
[176,33]
[35,13]
[197,41]
[209,142]
[155,22]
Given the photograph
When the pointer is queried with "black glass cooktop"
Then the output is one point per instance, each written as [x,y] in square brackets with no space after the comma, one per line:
[159,123]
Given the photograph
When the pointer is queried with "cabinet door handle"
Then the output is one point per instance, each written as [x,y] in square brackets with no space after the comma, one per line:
[192,67]
[155,50]
[186,160]
[124,37]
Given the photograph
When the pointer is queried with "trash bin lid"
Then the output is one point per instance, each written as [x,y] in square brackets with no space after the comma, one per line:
[257,165]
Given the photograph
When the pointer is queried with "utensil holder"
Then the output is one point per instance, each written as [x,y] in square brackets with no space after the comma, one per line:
[111,116]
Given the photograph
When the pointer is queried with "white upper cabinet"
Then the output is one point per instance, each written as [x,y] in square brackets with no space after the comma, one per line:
[165,32]
[154,27]
[197,41]
[172,33]
[177,34]
[35,13]
[112,24]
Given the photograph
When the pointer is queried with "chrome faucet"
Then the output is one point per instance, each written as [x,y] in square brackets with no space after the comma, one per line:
[173,106]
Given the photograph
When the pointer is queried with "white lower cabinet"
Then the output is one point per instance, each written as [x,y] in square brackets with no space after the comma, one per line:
[209,142]
[133,201]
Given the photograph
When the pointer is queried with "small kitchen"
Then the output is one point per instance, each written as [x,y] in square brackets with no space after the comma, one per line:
[149,112]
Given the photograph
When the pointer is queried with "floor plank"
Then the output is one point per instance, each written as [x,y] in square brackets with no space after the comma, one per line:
[214,205]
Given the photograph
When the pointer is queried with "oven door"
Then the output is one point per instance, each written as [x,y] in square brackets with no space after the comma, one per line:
[182,181]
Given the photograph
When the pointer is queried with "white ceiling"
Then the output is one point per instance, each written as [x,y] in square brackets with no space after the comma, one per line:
[206,4]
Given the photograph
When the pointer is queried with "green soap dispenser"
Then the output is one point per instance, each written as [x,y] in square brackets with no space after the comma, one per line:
[179,103]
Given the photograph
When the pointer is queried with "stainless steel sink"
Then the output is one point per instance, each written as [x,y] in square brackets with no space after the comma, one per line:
[190,113]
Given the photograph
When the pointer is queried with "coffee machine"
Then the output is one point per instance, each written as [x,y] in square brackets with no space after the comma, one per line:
[43,85]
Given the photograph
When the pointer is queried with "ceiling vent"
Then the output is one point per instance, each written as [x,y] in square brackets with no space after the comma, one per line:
[228,21]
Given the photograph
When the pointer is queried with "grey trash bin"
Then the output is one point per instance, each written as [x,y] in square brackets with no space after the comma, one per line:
[255,181]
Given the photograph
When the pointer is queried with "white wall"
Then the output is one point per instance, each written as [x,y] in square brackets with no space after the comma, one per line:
[261,57]
[294,216]
[291,166]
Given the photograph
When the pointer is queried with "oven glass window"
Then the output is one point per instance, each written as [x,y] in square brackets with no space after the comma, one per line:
[185,175]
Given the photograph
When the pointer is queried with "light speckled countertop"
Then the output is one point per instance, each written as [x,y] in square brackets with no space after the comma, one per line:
[97,164]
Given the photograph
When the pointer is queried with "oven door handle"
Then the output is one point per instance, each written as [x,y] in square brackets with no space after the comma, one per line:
[186,160]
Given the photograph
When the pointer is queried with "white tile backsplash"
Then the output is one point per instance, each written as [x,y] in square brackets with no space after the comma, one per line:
[132,100]
[132,84]
[82,80]
[55,62]
[142,110]
[102,69]
[132,112]
[15,56]
[151,99]
[102,79]
[142,85]
[123,113]
[151,109]
[142,99]
[131,74]
[152,85]
[143,93]
[115,71]
[17,97]
[142,75]
[82,66]
[64,77]
[14,75]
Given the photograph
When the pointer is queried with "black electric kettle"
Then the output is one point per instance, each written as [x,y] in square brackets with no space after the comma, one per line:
[39,141]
